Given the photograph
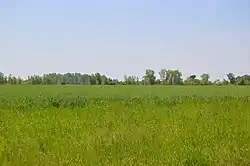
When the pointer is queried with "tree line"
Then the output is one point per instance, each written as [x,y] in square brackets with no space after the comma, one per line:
[166,77]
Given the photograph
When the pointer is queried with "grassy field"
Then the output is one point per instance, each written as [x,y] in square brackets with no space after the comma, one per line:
[124,125]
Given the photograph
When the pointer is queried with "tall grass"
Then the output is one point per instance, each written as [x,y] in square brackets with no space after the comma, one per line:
[76,125]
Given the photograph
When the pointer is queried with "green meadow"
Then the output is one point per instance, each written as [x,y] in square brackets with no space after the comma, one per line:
[124,125]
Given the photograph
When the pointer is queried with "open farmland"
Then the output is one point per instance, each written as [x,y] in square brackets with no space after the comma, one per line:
[124,125]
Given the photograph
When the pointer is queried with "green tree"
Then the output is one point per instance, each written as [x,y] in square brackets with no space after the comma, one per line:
[105,80]
[231,78]
[98,78]
[170,77]
[137,81]
[205,79]
[5,80]
[14,80]
[19,80]
[2,78]
[92,79]
[225,82]
[10,81]
[85,79]
[243,80]
[191,80]
[163,76]
[149,78]
[177,77]
[126,80]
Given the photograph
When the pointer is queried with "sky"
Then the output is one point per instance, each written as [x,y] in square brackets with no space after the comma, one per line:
[125,37]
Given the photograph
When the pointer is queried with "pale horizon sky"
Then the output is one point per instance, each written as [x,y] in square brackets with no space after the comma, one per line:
[120,38]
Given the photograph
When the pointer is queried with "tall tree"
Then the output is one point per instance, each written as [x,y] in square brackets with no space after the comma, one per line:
[126,79]
[19,80]
[205,78]
[163,76]
[92,79]
[14,80]
[105,80]
[137,81]
[10,81]
[243,80]
[149,77]
[231,78]
[98,78]
[86,79]
[170,75]
[177,77]
[5,80]
[2,78]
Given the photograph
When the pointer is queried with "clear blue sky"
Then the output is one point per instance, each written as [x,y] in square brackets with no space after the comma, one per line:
[120,38]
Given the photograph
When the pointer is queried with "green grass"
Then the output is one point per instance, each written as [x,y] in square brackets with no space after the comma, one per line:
[124,125]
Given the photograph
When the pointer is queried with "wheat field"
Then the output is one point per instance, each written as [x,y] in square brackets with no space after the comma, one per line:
[124,125]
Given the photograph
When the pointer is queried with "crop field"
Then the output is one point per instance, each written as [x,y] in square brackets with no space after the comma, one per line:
[124,125]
